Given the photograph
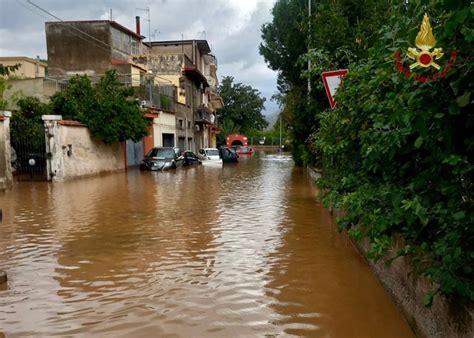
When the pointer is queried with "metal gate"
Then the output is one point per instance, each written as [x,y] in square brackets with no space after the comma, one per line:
[31,158]
[134,153]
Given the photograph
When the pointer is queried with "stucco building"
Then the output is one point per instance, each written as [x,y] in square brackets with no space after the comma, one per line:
[28,68]
[175,80]
[92,48]
[27,80]
[196,81]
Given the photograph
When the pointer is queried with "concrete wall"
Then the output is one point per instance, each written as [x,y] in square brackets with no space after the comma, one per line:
[41,88]
[85,155]
[6,179]
[26,87]
[75,153]
[445,318]
[69,52]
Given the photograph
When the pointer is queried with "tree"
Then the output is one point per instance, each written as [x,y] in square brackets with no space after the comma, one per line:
[243,106]
[5,71]
[283,44]
[398,155]
[107,108]
[76,100]
[338,32]
[284,41]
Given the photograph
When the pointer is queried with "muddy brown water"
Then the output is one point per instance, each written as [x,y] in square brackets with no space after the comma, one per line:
[240,251]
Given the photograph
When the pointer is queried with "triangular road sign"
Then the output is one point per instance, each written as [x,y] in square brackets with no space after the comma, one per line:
[332,80]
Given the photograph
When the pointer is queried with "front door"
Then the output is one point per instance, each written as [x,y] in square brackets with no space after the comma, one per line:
[168,140]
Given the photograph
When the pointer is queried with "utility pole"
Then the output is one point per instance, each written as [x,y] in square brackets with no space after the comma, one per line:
[309,41]
[280,135]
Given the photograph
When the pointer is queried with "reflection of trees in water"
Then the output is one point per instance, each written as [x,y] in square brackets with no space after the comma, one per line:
[135,229]
[106,236]
[28,218]
[320,281]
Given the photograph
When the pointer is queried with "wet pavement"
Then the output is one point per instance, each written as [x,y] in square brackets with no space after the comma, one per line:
[240,251]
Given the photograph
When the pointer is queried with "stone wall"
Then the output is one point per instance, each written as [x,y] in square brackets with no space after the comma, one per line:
[445,318]
[76,153]
[6,179]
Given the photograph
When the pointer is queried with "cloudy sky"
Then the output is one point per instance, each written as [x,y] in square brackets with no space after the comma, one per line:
[232,28]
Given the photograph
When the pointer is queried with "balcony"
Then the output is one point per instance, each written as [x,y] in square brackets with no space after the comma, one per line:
[204,116]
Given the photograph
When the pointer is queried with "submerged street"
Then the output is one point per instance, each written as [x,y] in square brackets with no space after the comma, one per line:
[240,250]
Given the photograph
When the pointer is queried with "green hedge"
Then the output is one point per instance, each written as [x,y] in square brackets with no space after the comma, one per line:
[398,155]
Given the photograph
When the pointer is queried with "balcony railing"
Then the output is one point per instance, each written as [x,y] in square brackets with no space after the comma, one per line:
[204,116]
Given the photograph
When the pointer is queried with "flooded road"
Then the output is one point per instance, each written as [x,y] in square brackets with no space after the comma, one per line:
[240,251]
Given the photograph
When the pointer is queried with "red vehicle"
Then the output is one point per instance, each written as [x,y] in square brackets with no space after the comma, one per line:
[245,151]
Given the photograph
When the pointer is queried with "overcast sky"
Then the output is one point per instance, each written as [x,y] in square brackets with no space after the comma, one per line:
[232,28]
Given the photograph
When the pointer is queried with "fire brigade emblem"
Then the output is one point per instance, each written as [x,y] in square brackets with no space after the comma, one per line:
[425,41]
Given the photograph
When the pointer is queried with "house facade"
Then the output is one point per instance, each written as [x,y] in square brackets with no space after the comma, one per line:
[27,80]
[176,81]
[28,68]
[196,81]
[92,48]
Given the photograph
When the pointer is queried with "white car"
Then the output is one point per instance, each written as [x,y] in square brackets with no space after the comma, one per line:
[210,156]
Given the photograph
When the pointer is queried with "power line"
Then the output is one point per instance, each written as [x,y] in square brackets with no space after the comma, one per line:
[30,9]
[72,26]
[68,27]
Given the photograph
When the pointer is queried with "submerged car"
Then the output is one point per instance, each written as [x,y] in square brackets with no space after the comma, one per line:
[190,158]
[228,155]
[210,156]
[210,153]
[162,158]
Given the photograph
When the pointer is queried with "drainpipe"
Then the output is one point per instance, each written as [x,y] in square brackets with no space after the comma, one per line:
[192,112]
[186,132]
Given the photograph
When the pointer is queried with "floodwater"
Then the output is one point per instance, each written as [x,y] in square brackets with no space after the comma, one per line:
[240,251]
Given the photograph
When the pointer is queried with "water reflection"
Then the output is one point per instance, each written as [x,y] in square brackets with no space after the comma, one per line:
[243,250]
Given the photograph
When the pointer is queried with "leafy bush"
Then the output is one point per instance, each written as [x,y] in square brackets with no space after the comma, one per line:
[398,155]
[107,108]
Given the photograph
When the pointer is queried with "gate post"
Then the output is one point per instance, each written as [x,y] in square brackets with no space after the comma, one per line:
[54,152]
[6,177]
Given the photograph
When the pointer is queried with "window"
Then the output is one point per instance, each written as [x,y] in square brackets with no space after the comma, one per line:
[124,42]
[134,49]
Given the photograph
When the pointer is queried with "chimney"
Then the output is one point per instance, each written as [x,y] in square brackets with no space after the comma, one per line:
[137,22]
